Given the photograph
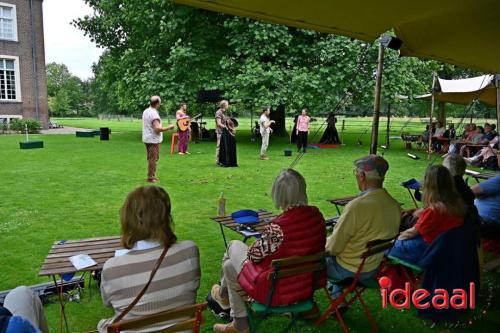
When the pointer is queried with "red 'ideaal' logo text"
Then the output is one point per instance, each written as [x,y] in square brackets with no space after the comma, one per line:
[401,298]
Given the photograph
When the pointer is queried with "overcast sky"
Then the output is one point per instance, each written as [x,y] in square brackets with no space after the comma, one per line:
[64,43]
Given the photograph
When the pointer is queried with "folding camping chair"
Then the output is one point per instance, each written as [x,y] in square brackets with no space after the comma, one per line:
[283,268]
[355,286]
[411,272]
[188,317]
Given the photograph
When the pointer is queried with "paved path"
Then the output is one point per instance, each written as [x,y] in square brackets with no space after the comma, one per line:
[64,130]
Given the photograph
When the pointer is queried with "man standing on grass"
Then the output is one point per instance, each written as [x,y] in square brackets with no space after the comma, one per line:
[152,135]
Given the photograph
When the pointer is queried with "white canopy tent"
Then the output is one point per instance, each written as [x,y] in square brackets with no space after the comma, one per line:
[463,91]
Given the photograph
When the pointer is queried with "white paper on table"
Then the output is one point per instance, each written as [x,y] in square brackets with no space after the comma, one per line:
[81,261]
[121,252]
[248,233]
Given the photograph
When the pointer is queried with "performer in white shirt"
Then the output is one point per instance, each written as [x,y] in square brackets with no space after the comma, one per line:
[152,135]
[265,131]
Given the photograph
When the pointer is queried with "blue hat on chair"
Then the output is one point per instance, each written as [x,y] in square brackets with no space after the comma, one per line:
[412,184]
[245,216]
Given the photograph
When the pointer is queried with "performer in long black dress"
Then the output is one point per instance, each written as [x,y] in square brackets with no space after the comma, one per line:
[293,135]
[227,152]
[331,135]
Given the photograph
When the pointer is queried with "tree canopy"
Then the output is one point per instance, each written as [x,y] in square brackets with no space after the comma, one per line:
[67,94]
[156,47]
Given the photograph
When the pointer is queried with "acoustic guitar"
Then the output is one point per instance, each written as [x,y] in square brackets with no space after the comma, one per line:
[184,124]
[231,125]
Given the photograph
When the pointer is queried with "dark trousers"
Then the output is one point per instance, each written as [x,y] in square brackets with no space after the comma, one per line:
[302,140]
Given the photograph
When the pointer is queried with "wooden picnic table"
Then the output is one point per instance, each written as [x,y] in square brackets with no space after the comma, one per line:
[253,231]
[57,261]
[480,175]
[341,201]
[100,249]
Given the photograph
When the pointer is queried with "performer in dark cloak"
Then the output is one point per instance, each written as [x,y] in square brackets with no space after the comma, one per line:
[293,135]
[227,153]
[330,135]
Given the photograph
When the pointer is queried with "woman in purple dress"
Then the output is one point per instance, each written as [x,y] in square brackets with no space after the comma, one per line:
[183,134]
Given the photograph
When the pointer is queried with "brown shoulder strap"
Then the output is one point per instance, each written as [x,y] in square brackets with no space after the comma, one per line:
[143,291]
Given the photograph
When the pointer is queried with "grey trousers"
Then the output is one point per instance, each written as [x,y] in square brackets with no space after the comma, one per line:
[265,142]
[218,148]
[22,302]
[232,264]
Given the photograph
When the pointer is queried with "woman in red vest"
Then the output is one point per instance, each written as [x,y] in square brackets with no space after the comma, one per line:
[298,231]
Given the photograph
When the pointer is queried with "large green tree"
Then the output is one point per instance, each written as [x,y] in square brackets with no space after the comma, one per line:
[66,92]
[156,47]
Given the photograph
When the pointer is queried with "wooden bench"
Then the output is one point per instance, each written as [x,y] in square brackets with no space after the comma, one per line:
[84,134]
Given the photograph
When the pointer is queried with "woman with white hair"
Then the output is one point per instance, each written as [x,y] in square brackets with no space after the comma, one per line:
[298,231]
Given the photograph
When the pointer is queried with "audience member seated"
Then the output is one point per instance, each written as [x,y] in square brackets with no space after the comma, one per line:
[456,165]
[472,135]
[470,131]
[22,312]
[450,132]
[146,230]
[487,156]
[438,137]
[488,200]
[424,138]
[439,131]
[373,215]
[298,231]
[489,133]
[443,209]
[477,137]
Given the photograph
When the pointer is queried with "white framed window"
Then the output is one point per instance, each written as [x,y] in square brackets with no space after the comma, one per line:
[10,86]
[8,21]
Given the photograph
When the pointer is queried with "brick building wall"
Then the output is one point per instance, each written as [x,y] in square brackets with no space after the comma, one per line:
[22,48]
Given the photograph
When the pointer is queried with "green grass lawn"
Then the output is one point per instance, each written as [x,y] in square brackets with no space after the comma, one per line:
[74,187]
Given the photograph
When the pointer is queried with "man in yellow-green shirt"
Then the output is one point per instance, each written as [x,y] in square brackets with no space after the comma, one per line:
[374,214]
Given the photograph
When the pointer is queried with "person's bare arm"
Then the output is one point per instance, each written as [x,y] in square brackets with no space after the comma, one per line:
[158,128]
[219,123]
[477,190]
[409,233]
[268,124]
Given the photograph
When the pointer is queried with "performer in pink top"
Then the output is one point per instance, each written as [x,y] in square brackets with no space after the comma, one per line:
[183,133]
[302,130]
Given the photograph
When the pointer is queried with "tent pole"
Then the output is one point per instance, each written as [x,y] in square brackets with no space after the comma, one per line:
[387,138]
[251,124]
[497,84]
[376,107]
[433,100]
[442,113]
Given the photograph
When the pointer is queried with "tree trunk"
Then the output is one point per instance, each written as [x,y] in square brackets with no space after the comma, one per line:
[278,115]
